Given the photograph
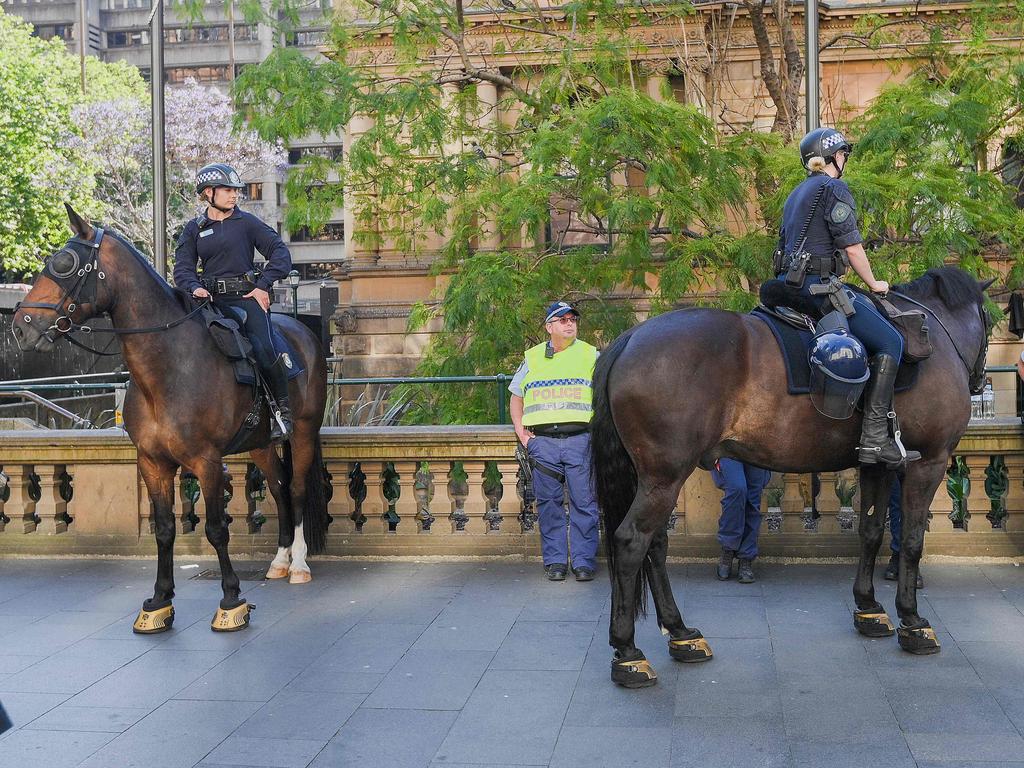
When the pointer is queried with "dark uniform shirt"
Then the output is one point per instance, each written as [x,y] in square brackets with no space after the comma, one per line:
[225,249]
[834,224]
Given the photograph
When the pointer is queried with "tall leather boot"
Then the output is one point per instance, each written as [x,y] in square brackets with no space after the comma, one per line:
[281,421]
[876,444]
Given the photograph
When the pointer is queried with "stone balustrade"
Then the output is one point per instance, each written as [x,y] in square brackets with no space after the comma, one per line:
[422,491]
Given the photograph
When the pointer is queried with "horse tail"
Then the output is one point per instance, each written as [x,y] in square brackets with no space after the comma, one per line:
[615,479]
[314,514]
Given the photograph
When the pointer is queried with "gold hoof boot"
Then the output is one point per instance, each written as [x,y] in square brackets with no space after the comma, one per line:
[690,649]
[919,640]
[232,619]
[152,622]
[873,623]
[277,572]
[635,673]
[300,577]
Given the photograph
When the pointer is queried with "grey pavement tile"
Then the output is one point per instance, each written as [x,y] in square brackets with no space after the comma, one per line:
[575,606]
[302,715]
[887,748]
[725,616]
[407,608]
[981,618]
[959,748]
[468,628]
[122,650]
[10,665]
[149,680]
[970,764]
[52,749]
[430,679]
[158,740]
[948,710]
[585,747]
[729,743]
[845,708]
[249,674]
[596,701]
[55,632]
[542,645]
[273,753]
[23,708]
[512,716]
[67,717]
[61,674]
[397,738]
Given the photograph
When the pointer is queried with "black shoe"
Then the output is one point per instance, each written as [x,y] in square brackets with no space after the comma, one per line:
[555,571]
[892,571]
[724,568]
[583,574]
[281,419]
[746,571]
[877,446]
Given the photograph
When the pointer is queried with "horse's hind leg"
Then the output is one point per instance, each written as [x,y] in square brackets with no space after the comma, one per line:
[303,448]
[685,644]
[919,486]
[870,618]
[157,613]
[233,613]
[647,516]
[270,465]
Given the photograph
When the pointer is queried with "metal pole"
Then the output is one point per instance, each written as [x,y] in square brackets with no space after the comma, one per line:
[812,99]
[83,36]
[231,40]
[500,379]
[295,302]
[156,80]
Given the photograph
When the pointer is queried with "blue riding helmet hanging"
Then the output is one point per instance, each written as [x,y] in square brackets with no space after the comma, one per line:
[839,372]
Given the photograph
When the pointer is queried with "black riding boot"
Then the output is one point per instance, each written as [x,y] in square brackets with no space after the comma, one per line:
[876,444]
[281,422]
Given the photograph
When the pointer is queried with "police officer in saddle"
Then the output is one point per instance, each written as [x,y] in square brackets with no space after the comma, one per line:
[819,237]
[224,239]
[551,410]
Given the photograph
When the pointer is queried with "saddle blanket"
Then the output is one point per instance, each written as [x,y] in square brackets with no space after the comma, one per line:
[794,344]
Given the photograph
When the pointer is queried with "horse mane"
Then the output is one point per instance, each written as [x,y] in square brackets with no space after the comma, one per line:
[160,281]
[954,287]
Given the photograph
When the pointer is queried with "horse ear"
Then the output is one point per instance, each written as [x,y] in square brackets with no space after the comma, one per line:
[986,284]
[81,227]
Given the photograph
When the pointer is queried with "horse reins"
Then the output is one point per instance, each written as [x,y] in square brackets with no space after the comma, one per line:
[84,272]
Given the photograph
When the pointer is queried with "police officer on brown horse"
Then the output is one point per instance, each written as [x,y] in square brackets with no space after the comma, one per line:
[820,225]
[224,239]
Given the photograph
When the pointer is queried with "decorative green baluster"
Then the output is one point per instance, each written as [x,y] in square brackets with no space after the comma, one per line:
[997,485]
[357,490]
[423,489]
[391,489]
[958,486]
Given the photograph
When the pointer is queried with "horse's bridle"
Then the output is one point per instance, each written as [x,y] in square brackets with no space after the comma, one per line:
[975,372]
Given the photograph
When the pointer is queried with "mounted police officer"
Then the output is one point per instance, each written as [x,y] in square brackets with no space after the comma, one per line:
[224,239]
[820,223]
[551,409]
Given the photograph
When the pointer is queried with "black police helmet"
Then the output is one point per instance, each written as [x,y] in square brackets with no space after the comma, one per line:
[217,175]
[839,355]
[823,142]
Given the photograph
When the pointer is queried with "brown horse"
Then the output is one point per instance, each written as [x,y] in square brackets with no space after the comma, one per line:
[183,406]
[685,388]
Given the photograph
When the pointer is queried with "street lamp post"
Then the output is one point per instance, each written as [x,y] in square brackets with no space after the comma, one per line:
[293,281]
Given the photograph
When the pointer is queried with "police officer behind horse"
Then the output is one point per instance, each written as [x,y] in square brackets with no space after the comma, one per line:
[820,225]
[225,239]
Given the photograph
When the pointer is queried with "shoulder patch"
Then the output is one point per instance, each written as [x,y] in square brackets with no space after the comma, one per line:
[840,212]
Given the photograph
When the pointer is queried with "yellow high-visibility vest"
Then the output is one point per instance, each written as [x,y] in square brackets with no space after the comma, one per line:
[559,389]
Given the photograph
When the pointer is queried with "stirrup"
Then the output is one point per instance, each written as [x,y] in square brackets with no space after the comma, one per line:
[896,433]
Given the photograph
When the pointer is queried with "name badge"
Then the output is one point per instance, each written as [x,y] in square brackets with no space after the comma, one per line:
[206,232]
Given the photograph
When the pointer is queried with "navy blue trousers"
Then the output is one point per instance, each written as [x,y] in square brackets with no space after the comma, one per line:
[569,456]
[867,324]
[257,327]
[896,515]
[741,505]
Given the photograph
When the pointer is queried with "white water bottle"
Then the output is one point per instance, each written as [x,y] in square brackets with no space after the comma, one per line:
[976,409]
[988,401]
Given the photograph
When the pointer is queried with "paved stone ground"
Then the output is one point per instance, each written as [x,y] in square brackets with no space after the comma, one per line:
[410,665]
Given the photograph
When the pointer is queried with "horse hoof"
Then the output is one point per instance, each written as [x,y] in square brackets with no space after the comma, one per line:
[920,641]
[277,572]
[690,649]
[873,623]
[635,673]
[154,621]
[232,619]
[300,577]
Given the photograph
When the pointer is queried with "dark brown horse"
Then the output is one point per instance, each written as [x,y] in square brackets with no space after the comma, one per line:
[688,387]
[184,406]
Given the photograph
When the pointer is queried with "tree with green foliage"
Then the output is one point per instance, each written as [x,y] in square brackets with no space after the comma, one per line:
[589,189]
[39,87]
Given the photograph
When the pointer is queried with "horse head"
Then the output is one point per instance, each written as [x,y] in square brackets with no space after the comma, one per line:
[69,290]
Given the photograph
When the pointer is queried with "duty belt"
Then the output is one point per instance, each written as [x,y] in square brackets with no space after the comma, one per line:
[826,265]
[560,431]
[239,284]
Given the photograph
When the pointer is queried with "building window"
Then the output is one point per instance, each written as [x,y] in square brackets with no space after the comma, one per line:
[127,38]
[331,151]
[208,74]
[210,34]
[50,31]
[306,38]
[253,191]
[1013,166]
[332,232]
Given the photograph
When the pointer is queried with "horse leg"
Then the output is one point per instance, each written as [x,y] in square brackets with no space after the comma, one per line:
[157,612]
[631,541]
[270,465]
[233,612]
[922,479]
[685,644]
[870,618]
[302,446]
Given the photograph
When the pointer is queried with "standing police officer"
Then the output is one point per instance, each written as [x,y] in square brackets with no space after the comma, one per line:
[820,219]
[225,239]
[551,409]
